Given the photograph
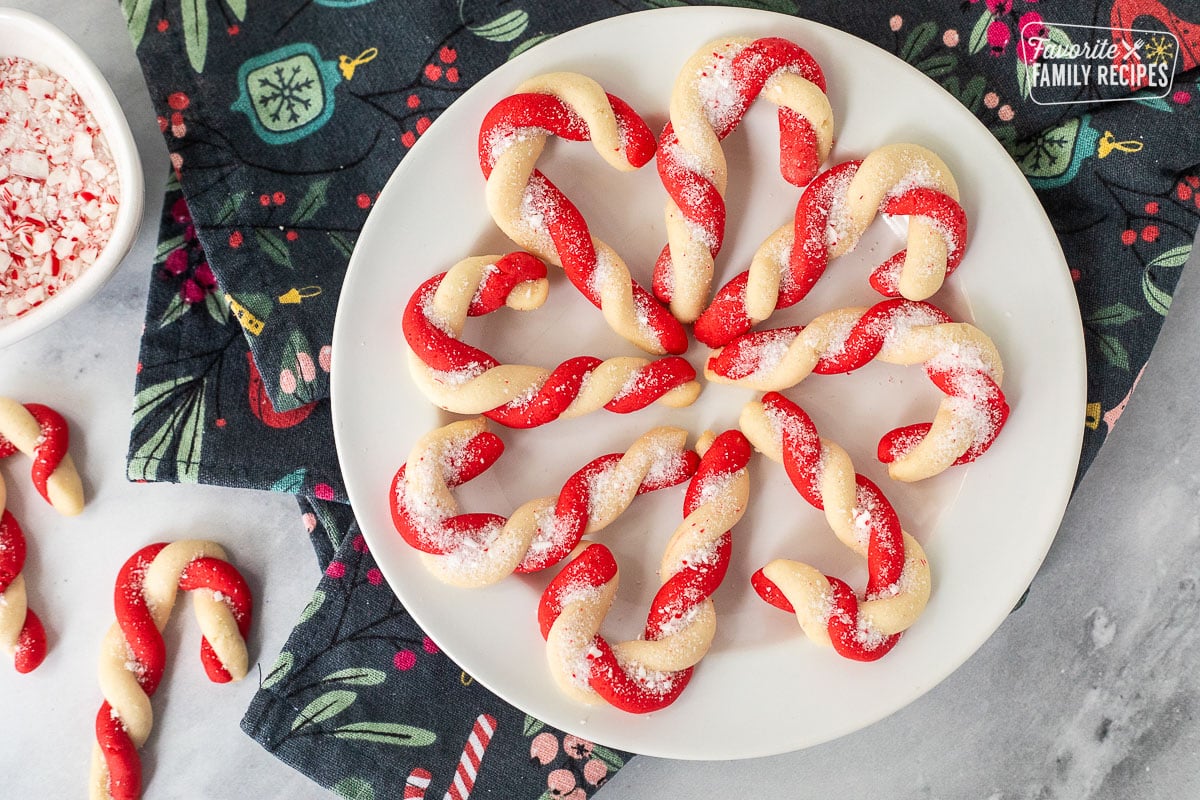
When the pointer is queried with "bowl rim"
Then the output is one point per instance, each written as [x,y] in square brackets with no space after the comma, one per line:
[73,64]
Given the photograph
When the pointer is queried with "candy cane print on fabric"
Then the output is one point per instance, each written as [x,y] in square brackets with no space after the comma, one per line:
[41,433]
[463,379]
[472,550]
[648,674]
[133,654]
[21,633]
[861,517]
[532,211]
[830,218]
[472,755]
[712,93]
[416,784]
[958,357]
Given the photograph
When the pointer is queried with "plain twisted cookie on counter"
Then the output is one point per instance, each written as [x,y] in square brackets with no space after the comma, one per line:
[133,653]
[42,434]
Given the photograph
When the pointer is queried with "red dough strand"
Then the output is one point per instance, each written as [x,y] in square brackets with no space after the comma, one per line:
[958,359]
[435,342]
[48,449]
[821,223]
[535,114]
[26,638]
[119,729]
[460,452]
[726,88]
[802,453]
[693,568]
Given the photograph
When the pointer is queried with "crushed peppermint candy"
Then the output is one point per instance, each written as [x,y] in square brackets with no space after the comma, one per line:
[58,186]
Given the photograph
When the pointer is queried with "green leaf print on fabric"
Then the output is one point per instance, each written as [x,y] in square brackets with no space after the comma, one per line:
[1113,350]
[279,670]
[137,16]
[936,65]
[918,39]
[504,28]
[532,725]
[354,788]
[324,707]
[292,483]
[1156,297]
[313,201]
[1175,257]
[314,605]
[393,733]
[1115,314]
[969,94]
[195,31]
[182,430]
[356,676]
[273,246]
[978,38]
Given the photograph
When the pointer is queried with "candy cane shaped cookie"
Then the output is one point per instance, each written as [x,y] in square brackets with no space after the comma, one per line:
[912,181]
[41,433]
[712,93]
[958,357]
[648,674]
[532,211]
[473,550]
[861,517]
[133,654]
[21,633]
[457,377]
[834,211]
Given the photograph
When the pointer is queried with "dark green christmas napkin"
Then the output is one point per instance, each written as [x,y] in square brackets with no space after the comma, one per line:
[285,118]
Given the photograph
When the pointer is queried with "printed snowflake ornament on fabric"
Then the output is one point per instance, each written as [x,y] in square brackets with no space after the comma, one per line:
[287,94]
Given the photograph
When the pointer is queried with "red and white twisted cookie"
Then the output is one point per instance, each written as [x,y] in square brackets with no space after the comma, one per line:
[648,674]
[532,211]
[21,633]
[832,215]
[479,549]
[133,654]
[862,518]
[457,377]
[41,433]
[715,88]
[958,357]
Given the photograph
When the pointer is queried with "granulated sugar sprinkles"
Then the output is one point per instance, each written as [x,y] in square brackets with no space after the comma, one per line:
[58,186]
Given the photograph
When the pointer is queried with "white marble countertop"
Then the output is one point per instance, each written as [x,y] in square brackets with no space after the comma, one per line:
[1087,691]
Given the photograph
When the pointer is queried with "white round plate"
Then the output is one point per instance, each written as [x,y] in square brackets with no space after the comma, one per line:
[763,688]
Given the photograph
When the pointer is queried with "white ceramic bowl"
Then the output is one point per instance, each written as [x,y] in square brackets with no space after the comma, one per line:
[31,37]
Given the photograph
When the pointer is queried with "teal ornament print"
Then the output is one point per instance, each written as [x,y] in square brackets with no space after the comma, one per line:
[287,93]
[1053,157]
